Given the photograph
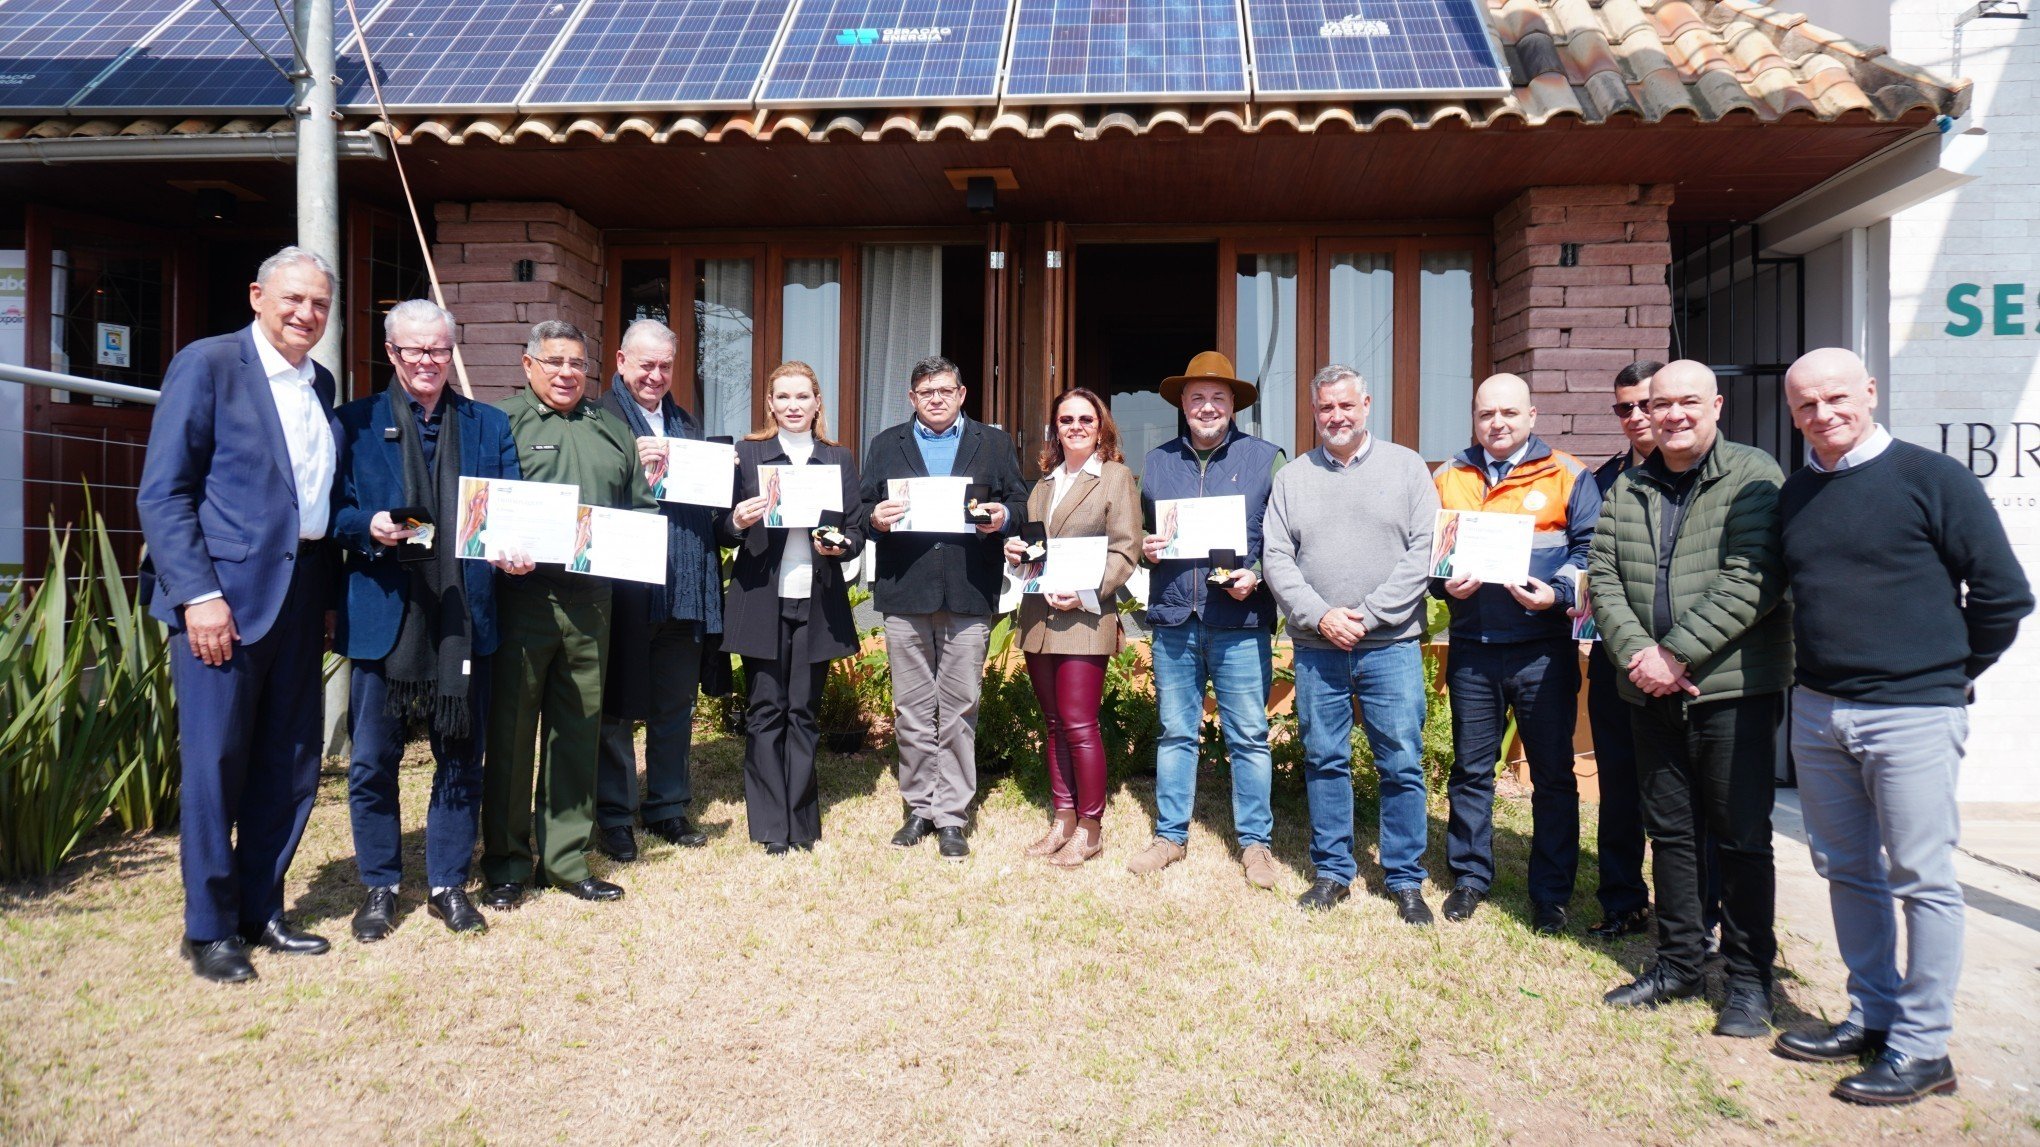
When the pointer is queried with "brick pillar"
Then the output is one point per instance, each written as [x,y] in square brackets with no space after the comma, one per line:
[478,248]
[1568,330]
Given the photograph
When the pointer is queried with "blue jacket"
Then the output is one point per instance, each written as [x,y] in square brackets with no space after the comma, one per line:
[1177,589]
[370,479]
[217,501]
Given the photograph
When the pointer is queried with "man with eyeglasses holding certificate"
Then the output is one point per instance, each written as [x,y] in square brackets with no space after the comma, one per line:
[555,629]
[938,592]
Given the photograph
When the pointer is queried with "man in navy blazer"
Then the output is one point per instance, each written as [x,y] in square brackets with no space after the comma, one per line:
[419,657]
[234,503]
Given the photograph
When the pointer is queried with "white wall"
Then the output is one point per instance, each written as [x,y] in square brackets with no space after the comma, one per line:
[1986,234]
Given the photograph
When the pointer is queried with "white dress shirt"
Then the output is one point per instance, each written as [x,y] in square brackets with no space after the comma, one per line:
[306,433]
[1060,482]
[797,560]
[1878,442]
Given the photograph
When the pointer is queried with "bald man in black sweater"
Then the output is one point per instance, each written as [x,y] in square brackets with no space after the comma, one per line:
[1905,589]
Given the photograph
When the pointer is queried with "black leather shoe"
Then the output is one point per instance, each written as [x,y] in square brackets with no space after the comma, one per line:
[1409,904]
[951,844]
[676,830]
[777,848]
[1461,901]
[1746,1014]
[1839,1044]
[278,936]
[453,907]
[590,889]
[1547,919]
[1653,988]
[618,844]
[1619,924]
[912,831]
[802,846]
[503,897]
[221,961]
[1322,894]
[1898,1078]
[377,916]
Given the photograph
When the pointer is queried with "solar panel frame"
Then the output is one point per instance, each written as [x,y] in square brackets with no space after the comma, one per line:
[29,27]
[1492,67]
[793,31]
[1007,94]
[430,18]
[535,100]
[142,83]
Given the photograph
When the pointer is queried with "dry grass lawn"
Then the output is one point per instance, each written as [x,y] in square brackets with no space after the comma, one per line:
[863,993]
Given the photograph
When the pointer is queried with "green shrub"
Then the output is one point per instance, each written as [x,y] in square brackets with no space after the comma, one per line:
[87,714]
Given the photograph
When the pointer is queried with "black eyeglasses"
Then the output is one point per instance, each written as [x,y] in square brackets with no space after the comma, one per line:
[1625,409]
[417,354]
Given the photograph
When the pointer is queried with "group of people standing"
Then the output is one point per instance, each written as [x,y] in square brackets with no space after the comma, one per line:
[1717,584]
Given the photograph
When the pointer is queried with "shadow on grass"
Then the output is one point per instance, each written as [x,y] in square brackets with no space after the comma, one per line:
[107,852]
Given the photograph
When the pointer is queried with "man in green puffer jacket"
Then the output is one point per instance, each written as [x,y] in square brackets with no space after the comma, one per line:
[1687,580]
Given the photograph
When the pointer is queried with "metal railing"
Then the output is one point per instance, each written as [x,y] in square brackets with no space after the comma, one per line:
[30,489]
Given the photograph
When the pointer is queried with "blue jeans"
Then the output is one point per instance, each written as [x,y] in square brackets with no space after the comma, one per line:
[1540,682]
[1877,786]
[1388,681]
[1236,663]
[452,817]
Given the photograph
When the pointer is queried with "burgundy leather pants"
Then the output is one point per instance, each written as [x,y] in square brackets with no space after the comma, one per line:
[1069,687]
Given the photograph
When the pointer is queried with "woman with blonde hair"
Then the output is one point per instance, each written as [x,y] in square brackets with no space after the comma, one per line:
[787,609]
[1086,491]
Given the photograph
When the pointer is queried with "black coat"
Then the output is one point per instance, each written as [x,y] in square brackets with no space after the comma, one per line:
[751,604]
[957,573]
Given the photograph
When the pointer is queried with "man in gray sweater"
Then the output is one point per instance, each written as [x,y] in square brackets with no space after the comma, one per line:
[1347,554]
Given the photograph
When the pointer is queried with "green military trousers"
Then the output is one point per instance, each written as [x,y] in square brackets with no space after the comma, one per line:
[555,641]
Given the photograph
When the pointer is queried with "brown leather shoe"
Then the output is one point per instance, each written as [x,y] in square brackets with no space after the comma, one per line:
[1260,866]
[1058,834]
[1077,851]
[1159,854]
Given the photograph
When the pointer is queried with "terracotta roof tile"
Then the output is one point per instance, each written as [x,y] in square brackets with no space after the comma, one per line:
[1592,60]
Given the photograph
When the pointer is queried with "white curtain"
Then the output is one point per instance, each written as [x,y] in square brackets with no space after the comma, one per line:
[1445,353]
[811,326]
[1363,328]
[902,324]
[723,333]
[1265,343]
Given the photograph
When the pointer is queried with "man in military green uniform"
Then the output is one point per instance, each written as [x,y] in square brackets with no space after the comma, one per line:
[555,628]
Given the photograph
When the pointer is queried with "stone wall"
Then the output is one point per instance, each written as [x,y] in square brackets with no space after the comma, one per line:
[1567,329]
[477,250]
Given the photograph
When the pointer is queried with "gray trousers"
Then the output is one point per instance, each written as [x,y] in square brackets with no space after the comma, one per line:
[1877,786]
[669,738]
[938,668]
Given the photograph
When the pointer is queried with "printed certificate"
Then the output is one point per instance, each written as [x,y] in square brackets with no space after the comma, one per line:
[698,473]
[1073,565]
[1486,547]
[934,505]
[795,496]
[626,544]
[501,518]
[1197,526]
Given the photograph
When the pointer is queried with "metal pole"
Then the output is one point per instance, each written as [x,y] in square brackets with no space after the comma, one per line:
[318,166]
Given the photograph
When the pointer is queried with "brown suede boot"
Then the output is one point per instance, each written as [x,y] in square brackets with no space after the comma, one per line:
[1159,854]
[1260,865]
[1058,834]
[1087,842]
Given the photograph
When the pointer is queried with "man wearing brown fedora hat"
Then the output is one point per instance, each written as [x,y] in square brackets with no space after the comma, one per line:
[1213,620]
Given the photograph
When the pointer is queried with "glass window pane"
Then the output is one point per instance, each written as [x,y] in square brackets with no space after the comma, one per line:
[723,326]
[1265,344]
[900,313]
[1363,328]
[646,292]
[1445,353]
[811,327]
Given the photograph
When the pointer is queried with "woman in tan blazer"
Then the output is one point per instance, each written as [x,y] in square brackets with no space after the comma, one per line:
[1085,491]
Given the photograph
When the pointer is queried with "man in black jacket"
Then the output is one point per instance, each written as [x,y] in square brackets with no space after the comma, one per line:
[938,592]
[657,631]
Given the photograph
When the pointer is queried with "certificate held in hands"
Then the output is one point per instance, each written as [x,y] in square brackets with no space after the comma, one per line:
[502,519]
[934,505]
[626,544]
[1490,548]
[1194,527]
[698,473]
[795,496]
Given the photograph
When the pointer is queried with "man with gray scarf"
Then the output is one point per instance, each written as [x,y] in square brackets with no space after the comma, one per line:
[657,632]
[418,624]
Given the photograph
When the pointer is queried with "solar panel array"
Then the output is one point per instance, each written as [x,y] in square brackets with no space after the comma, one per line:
[51,49]
[645,53]
[143,55]
[1126,49]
